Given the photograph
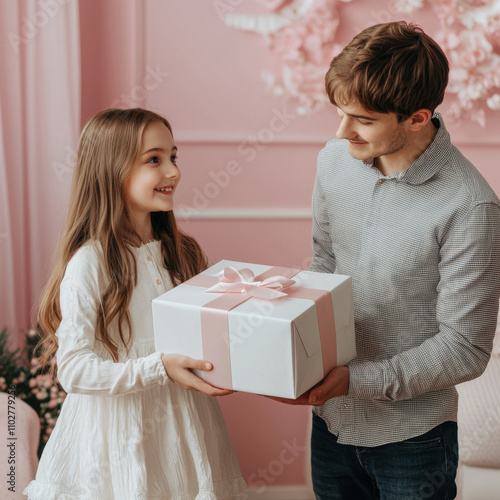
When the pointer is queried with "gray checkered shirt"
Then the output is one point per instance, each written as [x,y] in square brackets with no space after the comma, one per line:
[423,250]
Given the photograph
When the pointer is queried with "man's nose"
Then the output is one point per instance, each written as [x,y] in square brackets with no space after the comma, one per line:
[345,130]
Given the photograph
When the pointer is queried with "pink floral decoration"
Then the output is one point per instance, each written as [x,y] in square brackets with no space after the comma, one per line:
[306,48]
[470,37]
[302,33]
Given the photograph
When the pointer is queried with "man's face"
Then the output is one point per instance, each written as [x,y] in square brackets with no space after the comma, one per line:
[371,134]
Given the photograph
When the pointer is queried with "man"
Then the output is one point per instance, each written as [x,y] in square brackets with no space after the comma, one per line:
[397,207]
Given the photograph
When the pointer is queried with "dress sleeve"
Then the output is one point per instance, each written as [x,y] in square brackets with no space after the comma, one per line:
[80,369]
[466,310]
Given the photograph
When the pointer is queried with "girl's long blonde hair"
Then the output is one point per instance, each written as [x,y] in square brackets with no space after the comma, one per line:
[109,145]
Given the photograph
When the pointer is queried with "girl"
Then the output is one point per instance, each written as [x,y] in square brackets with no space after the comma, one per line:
[130,428]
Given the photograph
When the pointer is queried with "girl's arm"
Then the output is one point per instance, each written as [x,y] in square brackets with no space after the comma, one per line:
[82,371]
[178,368]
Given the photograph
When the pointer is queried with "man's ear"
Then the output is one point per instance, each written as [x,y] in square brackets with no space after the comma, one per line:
[420,119]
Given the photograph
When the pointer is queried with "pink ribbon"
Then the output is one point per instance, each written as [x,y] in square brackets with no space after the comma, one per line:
[243,281]
[239,286]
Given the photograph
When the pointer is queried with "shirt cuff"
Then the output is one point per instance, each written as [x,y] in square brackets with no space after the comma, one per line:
[364,380]
[155,371]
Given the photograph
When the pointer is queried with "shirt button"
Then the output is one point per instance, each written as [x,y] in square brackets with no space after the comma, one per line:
[158,282]
[149,258]
[381,181]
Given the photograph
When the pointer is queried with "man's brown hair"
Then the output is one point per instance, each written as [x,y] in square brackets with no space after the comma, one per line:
[393,67]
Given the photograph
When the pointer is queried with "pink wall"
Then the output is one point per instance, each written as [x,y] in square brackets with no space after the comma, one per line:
[205,78]
[108,50]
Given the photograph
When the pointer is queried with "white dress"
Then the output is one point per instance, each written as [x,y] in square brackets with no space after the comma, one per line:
[125,430]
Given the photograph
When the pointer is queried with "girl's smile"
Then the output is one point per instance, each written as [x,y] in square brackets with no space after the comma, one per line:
[166,189]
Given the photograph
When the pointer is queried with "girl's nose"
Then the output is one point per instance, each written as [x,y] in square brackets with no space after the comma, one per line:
[171,171]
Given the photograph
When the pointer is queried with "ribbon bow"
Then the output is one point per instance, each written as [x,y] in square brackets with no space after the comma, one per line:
[242,281]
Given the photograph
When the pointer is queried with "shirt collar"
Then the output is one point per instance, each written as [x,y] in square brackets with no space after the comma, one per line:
[432,159]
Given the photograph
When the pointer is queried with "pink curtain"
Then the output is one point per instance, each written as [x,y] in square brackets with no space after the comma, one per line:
[39,127]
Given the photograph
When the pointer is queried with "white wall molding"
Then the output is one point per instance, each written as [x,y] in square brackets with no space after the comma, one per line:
[279,493]
[235,139]
[232,138]
[243,213]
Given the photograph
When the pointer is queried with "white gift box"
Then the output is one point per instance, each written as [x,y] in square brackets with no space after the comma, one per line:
[277,347]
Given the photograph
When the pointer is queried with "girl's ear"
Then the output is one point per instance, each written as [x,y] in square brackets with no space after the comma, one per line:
[420,119]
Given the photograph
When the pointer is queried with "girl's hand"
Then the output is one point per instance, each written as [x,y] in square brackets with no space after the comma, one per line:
[178,368]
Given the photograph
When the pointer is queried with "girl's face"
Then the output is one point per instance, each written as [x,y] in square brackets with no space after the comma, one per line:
[154,175]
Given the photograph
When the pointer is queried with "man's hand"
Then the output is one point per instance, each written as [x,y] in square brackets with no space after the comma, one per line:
[336,383]
[179,368]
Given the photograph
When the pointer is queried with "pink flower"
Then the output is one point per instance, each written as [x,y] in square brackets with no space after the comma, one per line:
[494,35]
[313,45]
[288,42]
[494,102]
[479,116]
[473,50]
[322,9]
[447,11]
[40,394]
[408,6]
[492,80]
[478,3]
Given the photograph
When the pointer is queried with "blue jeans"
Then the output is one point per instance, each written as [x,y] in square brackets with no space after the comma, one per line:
[422,467]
